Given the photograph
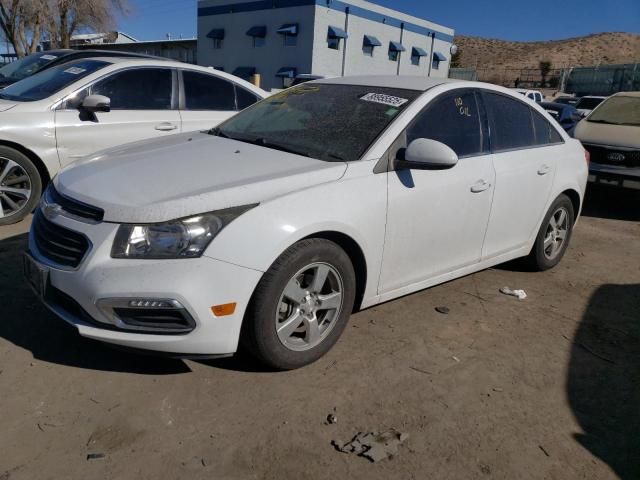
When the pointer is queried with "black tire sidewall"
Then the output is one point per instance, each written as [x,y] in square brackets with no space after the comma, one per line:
[34,177]
[260,320]
[538,258]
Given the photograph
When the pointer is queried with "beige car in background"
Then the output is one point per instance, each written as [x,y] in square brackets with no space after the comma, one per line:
[611,134]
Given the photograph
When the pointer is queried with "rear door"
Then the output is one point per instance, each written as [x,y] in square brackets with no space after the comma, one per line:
[142,107]
[525,151]
[208,100]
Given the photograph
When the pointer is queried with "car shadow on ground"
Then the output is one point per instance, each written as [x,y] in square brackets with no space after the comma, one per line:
[26,323]
[603,382]
[611,203]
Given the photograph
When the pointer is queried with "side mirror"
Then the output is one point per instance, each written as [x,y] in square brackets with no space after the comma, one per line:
[96,103]
[427,154]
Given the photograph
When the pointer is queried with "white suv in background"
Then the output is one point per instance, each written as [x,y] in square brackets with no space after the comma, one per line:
[67,112]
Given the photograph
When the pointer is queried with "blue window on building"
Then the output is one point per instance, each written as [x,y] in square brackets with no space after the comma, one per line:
[287,74]
[258,34]
[369,43]
[395,48]
[334,36]
[289,32]
[437,58]
[217,35]
[416,54]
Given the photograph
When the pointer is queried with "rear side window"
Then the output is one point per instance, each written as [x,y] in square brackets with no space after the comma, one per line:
[454,120]
[245,98]
[545,133]
[139,89]
[510,122]
[207,92]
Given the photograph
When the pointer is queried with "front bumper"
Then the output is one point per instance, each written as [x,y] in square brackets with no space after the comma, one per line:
[623,177]
[197,284]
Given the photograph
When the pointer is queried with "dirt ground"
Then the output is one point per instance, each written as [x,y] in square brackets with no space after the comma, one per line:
[545,388]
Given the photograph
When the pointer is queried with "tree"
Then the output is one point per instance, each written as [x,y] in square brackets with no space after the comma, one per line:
[22,23]
[70,16]
[545,68]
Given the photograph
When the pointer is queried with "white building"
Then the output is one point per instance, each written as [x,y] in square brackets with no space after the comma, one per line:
[281,38]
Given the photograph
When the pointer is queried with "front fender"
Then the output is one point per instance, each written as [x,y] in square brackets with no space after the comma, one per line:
[354,206]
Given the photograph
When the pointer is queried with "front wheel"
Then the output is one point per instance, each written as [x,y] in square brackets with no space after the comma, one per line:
[301,305]
[554,235]
[20,186]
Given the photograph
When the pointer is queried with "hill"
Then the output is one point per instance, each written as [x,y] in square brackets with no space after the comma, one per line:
[601,48]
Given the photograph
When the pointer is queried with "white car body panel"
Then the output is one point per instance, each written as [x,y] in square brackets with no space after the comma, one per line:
[34,126]
[405,249]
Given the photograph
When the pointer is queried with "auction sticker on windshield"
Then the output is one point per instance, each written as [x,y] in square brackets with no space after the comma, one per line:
[384,99]
[75,70]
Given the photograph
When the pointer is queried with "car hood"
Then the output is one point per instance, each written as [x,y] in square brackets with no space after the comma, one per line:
[187,174]
[605,134]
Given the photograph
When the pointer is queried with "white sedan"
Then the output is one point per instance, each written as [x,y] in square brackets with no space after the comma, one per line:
[328,197]
[70,111]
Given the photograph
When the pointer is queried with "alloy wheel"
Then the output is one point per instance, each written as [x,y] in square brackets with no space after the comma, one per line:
[15,187]
[309,306]
[556,234]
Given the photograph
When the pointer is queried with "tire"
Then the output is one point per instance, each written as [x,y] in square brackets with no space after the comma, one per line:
[288,294]
[554,235]
[20,186]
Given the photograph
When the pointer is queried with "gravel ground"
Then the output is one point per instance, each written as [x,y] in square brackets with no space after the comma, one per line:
[544,388]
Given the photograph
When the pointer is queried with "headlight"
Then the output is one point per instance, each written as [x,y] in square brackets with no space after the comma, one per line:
[184,238]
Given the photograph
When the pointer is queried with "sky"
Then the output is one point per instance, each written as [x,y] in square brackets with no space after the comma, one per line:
[503,19]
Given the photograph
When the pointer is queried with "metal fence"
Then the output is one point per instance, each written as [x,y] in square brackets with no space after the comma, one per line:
[600,80]
[603,80]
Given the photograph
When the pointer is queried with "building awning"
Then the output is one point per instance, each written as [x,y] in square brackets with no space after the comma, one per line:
[335,32]
[396,47]
[245,72]
[216,34]
[371,41]
[287,72]
[288,29]
[437,56]
[257,31]
[418,52]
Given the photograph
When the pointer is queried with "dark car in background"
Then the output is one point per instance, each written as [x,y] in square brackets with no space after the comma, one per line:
[37,62]
[566,115]
[567,100]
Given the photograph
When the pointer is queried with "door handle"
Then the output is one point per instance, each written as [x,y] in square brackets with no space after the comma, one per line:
[480,186]
[166,127]
[544,169]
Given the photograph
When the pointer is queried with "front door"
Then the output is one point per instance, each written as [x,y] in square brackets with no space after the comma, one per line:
[142,107]
[437,219]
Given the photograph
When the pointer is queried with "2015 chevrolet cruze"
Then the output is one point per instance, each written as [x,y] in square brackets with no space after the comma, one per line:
[326,197]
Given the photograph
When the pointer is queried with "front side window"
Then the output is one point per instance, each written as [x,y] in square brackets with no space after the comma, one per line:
[511,123]
[453,119]
[329,122]
[618,110]
[48,82]
[245,98]
[207,92]
[137,89]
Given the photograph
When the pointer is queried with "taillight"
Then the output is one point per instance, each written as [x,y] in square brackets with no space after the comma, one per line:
[587,156]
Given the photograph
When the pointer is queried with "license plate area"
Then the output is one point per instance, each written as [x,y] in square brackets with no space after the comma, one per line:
[36,275]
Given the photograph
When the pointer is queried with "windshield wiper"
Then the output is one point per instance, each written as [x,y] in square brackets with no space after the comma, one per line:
[263,142]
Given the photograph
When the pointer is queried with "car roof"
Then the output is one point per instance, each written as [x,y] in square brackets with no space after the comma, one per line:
[555,105]
[405,82]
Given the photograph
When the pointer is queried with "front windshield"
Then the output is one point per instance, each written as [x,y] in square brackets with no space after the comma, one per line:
[26,66]
[46,83]
[323,121]
[618,110]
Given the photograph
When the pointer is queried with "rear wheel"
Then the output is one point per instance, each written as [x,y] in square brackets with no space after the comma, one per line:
[554,235]
[20,186]
[301,305]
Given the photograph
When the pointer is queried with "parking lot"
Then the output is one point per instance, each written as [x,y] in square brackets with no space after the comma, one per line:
[547,387]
